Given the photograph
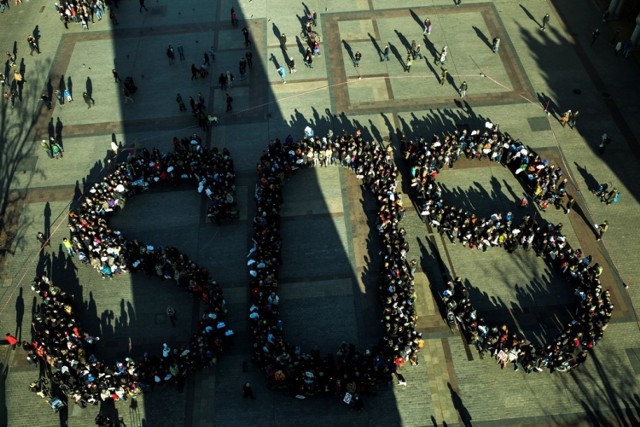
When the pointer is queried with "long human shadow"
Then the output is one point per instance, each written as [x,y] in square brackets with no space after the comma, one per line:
[458,404]
[529,15]
[481,36]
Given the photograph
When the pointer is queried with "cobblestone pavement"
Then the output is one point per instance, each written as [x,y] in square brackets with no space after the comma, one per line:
[329,282]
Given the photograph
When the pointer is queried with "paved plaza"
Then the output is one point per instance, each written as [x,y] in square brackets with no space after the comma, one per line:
[331,254]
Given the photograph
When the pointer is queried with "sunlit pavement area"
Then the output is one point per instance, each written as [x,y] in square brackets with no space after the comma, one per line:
[331,256]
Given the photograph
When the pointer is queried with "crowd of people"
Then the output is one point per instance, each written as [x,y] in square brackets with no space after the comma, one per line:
[60,343]
[547,185]
[349,370]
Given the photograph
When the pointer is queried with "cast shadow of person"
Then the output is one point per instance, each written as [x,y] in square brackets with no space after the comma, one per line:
[481,36]
[347,47]
[89,87]
[403,40]
[47,220]
[397,55]
[59,127]
[465,416]
[529,15]
[376,45]
[70,85]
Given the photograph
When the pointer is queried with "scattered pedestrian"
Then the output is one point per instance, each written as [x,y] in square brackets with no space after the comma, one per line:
[180,50]
[229,103]
[33,44]
[443,76]
[495,45]
[427,26]
[385,53]
[283,74]
[545,21]
[618,48]
[570,202]
[627,48]
[595,35]
[194,72]
[408,63]
[283,41]
[463,89]
[249,57]
[356,59]
[245,33]
[46,100]
[171,314]
[171,55]
[88,99]
[68,246]
[67,95]
[604,141]
[116,77]
[42,239]
[524,202]
[564,119]
[127,95]
[292,65]
[234,17]
[601,229]
[247,391]
[573,118]
[142,6]
[308,59]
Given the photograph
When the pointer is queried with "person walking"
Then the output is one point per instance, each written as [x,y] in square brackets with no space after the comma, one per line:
[180,50]
[408,63]
[116,77]
[601,229]
[283,74]
[545,21]
[88,99]
[180,102]
[595,35]
[229,103]
[171,314]
[564,119]
[495,46]
[292,65]
[463,89]
[308,59]
[11,340]
[142,6]
[283,41]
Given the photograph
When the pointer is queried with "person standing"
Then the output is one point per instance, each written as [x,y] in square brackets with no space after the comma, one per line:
[68,246]
[570,202]
[116,77]
[180,52]
[292,65]
[308,59]
[443,76]
[495,45]
[42,239]
[171,55]
[11,340]
[245,33]
[573,117]
[247,391]
[127,95]
[234,17]
[180,102]
[463,89]
[408,63]
[283,41]
[171,314]
[356,59]
[229,103]
[564,119]
[283,74]
[427,26]
[595,35]
[142,6]
[545,21]
[601,229]
[385,53]
[249,57]
[604,141]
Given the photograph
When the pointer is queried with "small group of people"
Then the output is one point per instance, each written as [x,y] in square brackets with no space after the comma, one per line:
[545,182]
[350,370]
[198,109]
